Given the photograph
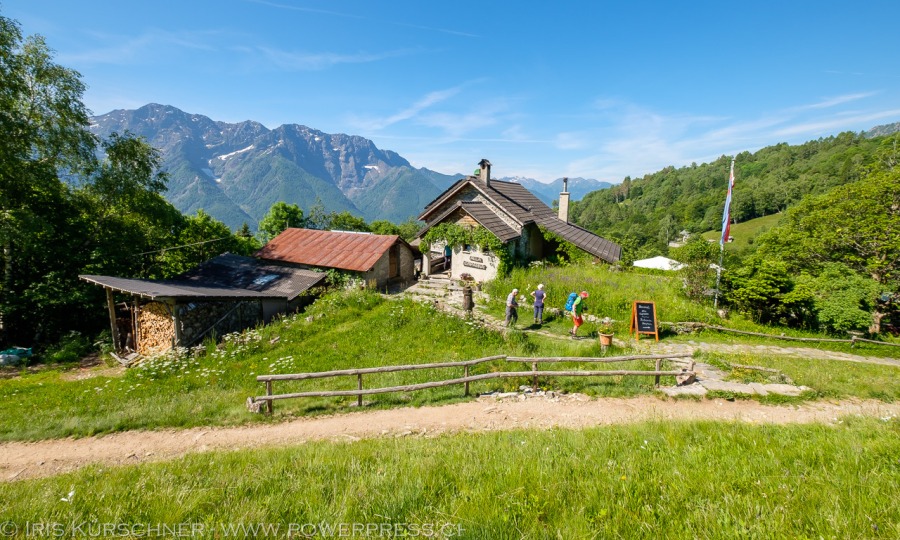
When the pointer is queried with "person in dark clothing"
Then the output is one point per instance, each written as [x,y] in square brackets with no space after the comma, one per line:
[539,296]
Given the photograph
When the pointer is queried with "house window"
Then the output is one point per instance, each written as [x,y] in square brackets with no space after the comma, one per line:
[467,247]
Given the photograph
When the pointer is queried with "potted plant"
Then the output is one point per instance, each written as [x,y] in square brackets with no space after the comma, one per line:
[605,332]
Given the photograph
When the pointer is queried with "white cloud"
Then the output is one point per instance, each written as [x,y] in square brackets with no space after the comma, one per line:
[430,99]
[307,61]
[835,124]
[837,100]
[571,141]
[122,50]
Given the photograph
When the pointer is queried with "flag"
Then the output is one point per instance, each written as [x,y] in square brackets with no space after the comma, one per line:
[726,216]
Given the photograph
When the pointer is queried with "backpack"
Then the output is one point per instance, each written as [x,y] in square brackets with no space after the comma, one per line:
[570,303]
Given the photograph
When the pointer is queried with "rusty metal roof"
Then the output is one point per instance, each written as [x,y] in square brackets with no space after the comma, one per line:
[328,249]
[224,277]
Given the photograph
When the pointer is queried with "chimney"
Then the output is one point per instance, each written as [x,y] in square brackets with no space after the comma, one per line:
[564,201]
[485,173]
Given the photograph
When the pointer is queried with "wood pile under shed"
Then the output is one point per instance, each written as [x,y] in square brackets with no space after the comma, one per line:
[156,328]
[225,294]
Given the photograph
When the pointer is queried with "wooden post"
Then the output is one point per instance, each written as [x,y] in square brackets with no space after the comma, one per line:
[467,382]
[534,385]
[110,303]
[359,387]
[269,402]
[658,362]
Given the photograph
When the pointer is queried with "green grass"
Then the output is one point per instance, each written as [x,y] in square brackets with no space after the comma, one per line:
[209,386]
[612,294]
[650,480]
[828,378]
[745,232]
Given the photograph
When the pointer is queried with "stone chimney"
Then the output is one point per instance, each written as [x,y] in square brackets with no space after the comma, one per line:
[564,201]
[485,174]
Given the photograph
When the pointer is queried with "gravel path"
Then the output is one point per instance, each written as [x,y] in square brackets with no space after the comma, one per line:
[20,460]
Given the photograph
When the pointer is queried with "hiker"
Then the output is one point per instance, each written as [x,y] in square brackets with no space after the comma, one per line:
[578,307]
[539,296]
[512,308]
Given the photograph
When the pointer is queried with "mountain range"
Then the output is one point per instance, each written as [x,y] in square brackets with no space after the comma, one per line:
[236,171]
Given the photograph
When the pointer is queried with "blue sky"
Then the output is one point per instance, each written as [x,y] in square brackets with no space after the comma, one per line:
[543,89]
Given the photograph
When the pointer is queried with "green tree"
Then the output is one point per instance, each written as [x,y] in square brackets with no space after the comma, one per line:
[763,289]
[697,255]
[317,218]
[43,130]
[202,238]
[409,229]
[843,299]
[857,225]
[280,216]
[123,206]
[345,221]
[382,226]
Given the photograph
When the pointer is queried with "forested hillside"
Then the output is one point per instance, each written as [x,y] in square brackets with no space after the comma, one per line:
[650,211]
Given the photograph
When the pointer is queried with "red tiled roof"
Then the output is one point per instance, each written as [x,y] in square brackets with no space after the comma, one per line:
[328,249]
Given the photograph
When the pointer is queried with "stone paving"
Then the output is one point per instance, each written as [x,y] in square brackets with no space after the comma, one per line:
[446,295]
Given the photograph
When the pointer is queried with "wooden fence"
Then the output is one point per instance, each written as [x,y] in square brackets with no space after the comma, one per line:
[271,396]
[852,341]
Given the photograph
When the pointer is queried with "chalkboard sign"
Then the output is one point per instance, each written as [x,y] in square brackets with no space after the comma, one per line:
[643,319]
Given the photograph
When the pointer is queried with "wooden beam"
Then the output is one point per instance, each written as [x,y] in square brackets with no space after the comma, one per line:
[110,304]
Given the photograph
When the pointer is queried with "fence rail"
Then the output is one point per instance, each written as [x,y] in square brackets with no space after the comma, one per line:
[852,340]
[534,373]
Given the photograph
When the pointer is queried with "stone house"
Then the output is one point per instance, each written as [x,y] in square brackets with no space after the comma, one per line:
[376,259]
[514,215]
[225,294]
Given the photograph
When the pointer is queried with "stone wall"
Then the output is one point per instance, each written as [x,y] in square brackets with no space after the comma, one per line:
[482,266]
[196,318]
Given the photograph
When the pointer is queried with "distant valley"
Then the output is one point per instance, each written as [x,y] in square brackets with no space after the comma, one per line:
[235,172]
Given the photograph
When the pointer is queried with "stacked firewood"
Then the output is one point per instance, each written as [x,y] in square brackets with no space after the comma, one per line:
[156,329]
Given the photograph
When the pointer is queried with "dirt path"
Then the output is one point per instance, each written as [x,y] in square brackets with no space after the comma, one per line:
[46,458]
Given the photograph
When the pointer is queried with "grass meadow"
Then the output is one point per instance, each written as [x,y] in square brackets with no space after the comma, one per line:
[654,479]
[210,385]
[650,480]
[612,294]
[745,233]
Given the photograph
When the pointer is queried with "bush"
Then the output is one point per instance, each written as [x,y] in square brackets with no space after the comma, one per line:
[71,348]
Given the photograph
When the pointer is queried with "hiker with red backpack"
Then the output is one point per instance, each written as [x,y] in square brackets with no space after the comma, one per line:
[577,306]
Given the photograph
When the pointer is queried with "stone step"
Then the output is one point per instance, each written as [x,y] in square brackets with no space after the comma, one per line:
[426,289]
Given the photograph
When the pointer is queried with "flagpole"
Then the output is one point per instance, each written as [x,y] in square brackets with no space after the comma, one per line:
[726,226]
[719,275]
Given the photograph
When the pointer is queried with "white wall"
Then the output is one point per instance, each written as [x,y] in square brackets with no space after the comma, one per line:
[481,266]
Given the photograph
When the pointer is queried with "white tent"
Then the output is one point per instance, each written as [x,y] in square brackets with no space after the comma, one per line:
[659,263]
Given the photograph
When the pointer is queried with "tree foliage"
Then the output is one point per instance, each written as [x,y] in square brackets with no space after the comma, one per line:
[64,211]
[697,255]
[280,217]
[857,225]
[653,209]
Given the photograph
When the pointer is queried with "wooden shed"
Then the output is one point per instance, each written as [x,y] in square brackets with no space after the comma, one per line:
[226,294]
